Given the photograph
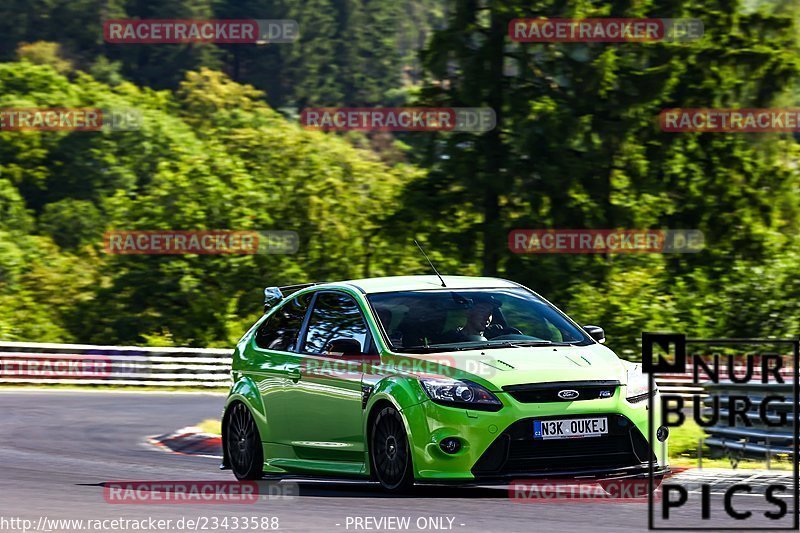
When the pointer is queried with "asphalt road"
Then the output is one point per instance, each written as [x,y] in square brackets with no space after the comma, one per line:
[58,449]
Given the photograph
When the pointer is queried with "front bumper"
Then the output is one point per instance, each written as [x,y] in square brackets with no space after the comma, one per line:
[500,445]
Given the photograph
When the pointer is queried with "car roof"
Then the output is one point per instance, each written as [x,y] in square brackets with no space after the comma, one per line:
[420,283]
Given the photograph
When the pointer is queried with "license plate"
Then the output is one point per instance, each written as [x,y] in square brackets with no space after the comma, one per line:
[571,428]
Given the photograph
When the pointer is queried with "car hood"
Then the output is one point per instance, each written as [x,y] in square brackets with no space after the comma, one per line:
[500,367]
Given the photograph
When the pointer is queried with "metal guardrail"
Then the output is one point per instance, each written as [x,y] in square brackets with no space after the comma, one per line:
[679,384]
[683,384]
[83,364]
[758,439]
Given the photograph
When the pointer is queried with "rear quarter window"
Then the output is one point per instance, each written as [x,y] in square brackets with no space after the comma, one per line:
[281,329]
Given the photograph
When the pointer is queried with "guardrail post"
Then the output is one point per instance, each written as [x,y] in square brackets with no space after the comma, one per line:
[700,453]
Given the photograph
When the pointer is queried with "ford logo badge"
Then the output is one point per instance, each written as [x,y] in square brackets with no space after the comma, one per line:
[568,394]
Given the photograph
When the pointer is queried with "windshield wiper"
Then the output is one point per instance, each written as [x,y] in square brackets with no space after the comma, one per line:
[480,345]
[432,348]
[543,343]
[459,347]
[506,344]
[524,344]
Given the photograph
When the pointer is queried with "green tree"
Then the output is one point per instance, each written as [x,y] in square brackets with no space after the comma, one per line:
[211,156]
[577,146]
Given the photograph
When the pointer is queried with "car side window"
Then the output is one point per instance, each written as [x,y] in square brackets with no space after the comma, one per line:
[280,331]
[336,325]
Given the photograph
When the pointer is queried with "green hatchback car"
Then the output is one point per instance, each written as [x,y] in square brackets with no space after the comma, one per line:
[419,379]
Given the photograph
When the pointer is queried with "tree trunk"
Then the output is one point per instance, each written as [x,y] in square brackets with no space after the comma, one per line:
[493,238]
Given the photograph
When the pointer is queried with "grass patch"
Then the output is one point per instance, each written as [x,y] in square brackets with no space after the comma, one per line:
[211,425]
[683,451]
[684,439]
[744,464]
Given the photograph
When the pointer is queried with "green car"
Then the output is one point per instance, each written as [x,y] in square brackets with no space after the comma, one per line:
[419,379]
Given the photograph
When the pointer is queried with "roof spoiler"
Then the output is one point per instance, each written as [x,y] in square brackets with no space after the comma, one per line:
[274,295]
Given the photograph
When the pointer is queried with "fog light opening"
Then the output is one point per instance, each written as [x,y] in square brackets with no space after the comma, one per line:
[662,433]
[450,445]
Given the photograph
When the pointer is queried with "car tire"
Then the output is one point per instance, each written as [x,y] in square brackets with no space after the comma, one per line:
[390,454]
[244,444]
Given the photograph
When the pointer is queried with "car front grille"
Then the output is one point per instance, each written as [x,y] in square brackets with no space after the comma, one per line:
[516,452]
[549,392]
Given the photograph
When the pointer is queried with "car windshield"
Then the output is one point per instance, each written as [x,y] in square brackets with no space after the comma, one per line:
[441,320]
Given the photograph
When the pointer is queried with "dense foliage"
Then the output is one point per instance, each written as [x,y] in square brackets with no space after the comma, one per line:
[211,156]
[577,146]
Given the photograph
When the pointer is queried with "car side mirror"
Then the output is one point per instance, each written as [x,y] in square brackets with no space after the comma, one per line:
[344,347]
[596,332]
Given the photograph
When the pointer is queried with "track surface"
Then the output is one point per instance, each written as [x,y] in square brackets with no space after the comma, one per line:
[59,447]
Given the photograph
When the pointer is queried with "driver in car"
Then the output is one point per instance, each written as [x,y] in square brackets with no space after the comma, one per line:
[478,320]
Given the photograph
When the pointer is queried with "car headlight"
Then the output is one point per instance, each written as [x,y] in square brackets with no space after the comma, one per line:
[638,388]
[460,393]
